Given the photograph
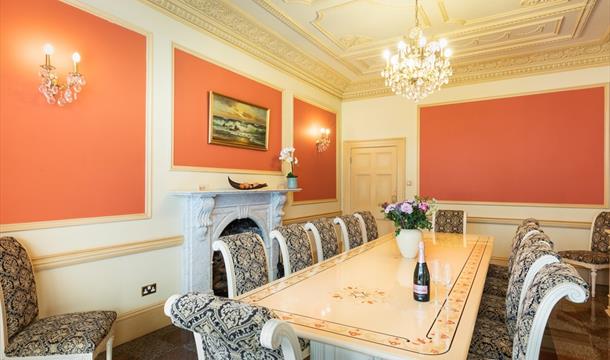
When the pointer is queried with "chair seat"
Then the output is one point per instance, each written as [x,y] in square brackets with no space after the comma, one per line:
[76,333]
[492,308]
[495,286]
[490,340]
[498,271]
[586,256]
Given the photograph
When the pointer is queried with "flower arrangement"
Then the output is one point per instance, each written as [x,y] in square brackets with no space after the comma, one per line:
[410,214]
[287,154]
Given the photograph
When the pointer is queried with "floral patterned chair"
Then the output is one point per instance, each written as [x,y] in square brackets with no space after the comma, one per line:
[352,233]
[368,225]
[229,329]
[80,335]
[294,247]
[449,221]
[325,237]
[245,260]
[596,258]
[552,283]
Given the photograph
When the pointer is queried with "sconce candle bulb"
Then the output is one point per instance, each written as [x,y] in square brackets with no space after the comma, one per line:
[48,51]
[76,60]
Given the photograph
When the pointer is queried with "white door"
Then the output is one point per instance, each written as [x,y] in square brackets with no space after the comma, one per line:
[375,174]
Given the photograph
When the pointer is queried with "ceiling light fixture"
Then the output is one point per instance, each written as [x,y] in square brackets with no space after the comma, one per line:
[419,67]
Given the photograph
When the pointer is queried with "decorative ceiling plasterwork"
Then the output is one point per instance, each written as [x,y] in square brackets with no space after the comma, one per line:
[230,25]
[493,47]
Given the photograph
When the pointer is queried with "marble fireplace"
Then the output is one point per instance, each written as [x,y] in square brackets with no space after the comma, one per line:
[209,214]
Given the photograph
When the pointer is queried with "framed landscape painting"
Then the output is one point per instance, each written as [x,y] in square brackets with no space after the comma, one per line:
[236,123]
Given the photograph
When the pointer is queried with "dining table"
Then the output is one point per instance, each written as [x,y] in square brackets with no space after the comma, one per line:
[359,304]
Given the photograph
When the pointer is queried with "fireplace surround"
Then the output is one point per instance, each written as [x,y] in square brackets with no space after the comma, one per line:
[206,214]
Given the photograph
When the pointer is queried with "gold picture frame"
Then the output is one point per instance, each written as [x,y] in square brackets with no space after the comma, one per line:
[237,123]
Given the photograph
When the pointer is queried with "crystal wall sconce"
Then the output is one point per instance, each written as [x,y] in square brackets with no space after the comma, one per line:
[323,140]
[54,91]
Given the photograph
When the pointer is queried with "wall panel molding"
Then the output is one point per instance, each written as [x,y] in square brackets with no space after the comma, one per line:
[544,223]
[53,261]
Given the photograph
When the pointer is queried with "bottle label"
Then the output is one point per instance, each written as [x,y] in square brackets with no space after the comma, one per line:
[420,289]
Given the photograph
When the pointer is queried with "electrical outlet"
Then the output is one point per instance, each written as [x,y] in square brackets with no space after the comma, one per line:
[149,289]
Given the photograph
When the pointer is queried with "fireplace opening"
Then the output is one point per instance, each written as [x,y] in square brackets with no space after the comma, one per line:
[219,273]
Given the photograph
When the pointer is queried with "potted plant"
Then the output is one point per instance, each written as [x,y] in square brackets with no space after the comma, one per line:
[287,154]
[409,217]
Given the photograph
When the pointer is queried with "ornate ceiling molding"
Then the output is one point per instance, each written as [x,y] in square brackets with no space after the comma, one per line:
[232,26]
[568,58]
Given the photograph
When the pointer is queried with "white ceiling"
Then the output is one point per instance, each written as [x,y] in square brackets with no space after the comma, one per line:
[337,44]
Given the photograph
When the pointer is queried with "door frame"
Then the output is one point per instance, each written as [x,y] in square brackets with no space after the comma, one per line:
[401,155]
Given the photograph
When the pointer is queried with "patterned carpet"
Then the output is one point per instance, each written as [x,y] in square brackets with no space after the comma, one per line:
[574,331]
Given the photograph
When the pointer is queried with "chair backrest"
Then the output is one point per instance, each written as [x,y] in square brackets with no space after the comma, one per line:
[367,220]
[325,237]
[245,260]
[351,231]
[523,231]
[529,260]
[229,329]
[530,221]
[449,221]
[17,289]
[295,247]
[599,237]
[551,284]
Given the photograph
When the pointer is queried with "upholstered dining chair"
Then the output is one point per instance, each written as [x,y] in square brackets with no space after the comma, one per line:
[245,261]
[229,329]
[449,221]
[80,335]
[501,271]
[552,283]
[352,233]
[325,237]
[294,247]
[597,257]
[368,225]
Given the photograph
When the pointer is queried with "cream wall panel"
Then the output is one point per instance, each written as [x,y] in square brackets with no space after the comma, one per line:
[390,117]
[115,283]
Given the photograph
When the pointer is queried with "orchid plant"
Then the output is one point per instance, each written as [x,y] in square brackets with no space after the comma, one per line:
[410,214]
[287,154]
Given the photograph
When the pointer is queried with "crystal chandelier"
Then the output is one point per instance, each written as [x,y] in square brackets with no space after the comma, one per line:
[418,68]
[53,91]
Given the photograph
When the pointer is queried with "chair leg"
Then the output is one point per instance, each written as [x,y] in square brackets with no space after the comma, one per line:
[593,281]
[109,348]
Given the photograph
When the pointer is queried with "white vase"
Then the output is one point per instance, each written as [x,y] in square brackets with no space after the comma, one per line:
[408,242]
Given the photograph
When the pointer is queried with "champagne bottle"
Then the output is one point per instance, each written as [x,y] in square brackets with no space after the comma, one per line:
[421,277]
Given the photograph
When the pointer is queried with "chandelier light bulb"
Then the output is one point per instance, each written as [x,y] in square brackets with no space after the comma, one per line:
[448,53]
[422,41]
[401,45]
[442,42]
[48,49]
[386,54]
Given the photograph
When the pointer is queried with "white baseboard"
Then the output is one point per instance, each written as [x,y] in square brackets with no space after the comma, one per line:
[139,322]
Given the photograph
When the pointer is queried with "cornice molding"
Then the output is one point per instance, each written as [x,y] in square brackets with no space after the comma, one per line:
[232,26]
[568,58]
[237,29]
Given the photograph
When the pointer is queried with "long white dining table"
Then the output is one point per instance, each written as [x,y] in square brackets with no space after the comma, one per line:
[359,304]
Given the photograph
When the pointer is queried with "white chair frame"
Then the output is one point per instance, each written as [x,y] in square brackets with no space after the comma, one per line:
[345,234]
[317,239]
[572,292]
[105,344]
[221,246]
[531,273]
[363,228]
[275,334]
[463,221]
[281,240]
[593,268]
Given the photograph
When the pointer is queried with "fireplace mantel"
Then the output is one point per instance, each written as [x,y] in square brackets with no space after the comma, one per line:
[206,213]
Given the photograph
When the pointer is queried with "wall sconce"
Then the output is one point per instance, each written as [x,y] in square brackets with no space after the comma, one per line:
[323,140]
[53,91]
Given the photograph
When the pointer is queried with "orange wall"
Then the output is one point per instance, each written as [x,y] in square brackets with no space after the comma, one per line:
[86,159]
[194,78]
[317,171]
[544,148]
